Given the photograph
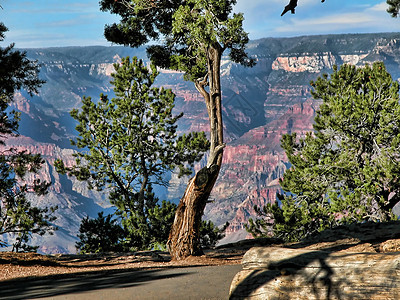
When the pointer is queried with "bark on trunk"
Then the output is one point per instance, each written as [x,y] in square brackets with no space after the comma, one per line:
[184,236]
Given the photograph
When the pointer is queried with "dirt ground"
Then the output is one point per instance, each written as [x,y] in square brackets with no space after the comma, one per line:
[368,237]
[17,265]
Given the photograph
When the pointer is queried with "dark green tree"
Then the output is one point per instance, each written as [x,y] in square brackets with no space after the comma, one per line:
[130,142]
[161,218]
[188,36]
[394,7]
[102,234]
[18,218]
[347,170]
[211,234]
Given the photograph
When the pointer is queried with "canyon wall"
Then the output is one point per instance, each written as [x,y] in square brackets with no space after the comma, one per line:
[259,105]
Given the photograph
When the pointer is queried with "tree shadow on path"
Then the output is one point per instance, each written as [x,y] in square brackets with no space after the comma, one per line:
[62,284]
[322,270]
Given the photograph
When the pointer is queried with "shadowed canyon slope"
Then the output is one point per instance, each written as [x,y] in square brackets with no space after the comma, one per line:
[259,104]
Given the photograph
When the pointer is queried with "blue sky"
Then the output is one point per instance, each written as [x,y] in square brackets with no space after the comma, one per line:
[49,23]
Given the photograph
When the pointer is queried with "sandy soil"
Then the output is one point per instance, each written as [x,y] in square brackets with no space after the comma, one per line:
[16,265]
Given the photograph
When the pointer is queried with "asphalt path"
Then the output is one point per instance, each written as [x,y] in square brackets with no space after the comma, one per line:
[206,282]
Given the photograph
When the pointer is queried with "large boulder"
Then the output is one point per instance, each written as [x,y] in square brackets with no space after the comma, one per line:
[358,261]
[284,273]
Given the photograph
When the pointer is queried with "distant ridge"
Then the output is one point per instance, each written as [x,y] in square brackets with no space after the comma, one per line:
[259,105]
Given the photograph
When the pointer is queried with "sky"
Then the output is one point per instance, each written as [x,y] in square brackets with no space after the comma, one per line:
[53,23]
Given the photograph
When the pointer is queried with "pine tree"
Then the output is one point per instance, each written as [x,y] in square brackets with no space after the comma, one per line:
[347,170]
[104,233]
[99,235]
[188,36]
[130,142]
[394,7]
[18,218]
[211,234]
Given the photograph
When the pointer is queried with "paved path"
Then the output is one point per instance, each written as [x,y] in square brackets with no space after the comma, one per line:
[208,282]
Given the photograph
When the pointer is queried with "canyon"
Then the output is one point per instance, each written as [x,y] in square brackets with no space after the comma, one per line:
[260,104]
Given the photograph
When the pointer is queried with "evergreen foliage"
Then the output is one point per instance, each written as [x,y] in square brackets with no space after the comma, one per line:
[189,36]
[394,7]
[104,234]
[211,234]
[347,170]
[161,218]
[99,235]
[18,218]
[181,32]
[151,234]
[129,143]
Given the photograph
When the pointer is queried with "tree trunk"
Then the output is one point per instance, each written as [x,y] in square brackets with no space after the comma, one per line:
[183,239]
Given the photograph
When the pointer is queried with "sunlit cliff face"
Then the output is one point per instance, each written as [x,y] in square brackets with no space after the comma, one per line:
[259,105]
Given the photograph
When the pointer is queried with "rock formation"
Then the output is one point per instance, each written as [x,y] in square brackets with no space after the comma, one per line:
[359,261]
[259,105]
